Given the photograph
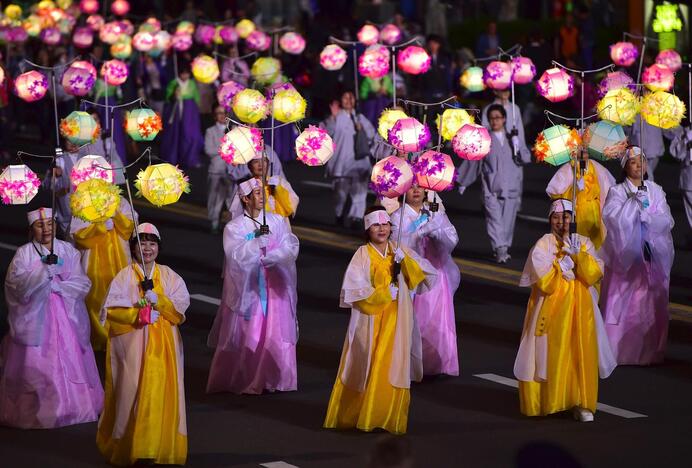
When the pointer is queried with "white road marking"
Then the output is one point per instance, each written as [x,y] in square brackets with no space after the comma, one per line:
[623,413]
[314,183]
[8,246]
[536,219]
[278,464]
[205,298]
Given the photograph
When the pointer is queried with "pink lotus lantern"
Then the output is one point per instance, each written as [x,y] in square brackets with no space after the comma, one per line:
[434,171]
[658,77]
[226,92]
[86,66]
[31,86]
[77,81]
[292,43]
[368,34]
[227,34]
[89,7]
[126,27]
[181,41]
[414,60]
[374,63]
[162,41]
[258,40]
[390,34]
[391,177]
[205,34]
[17,35]
[332,57]
[143,41]
[241,145]
[91,167]
[670,58]
[114,72]
[111,32]
[471,142]
[623,54]
[50,36]
[83,37]
[409,135]
[120,7]
[497,75]
[523,70]
[18,185]
[555,85]
[314,146]
[95,22]
[615,80]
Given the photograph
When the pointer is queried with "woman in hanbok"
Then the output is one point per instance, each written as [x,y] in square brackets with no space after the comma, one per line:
[48,375]
[563,347]
[639,255]
[432,236]
[375,95]
[182,140]
[144,420]
[256,329]
[382,350]
[105,251]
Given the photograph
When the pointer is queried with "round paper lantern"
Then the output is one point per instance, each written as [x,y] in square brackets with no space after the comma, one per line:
[292,43]
[451,120]
[387,120]
[162,41]
[227,92]
[18,185]
[605,140]
[556,145]
[50,36]
[434,171]
[390,34]
[151,24]
[143,124]
[523,70]
[615,80]
[332,57]
[249,105]
[265,70]
[391,177]
[91,167]
[205,69]
[143,41]
[32,25]
[472,79]
[95,201]
[66,23]
[13,12]
[670,58]
[120,7]
[162,184]
[244,28]
[288,106]
[79,128]
[17,35]
[241,145]
[86,66]
[258,40]
[555,85]
[95,22]
[2,76]
[658,77]
[619,106]
[181,41]
[205,34]
[368,34]
[314,146]
[277,87]
[471,142]
[122,49]
[497,75]
[623,54]
[414,60]
[111,32]
[226,34]
[31,86]
[83,37]
[77,81]
[114,72]
[662,109]
[89,7]
[185,27]
[409,135]
[374,63]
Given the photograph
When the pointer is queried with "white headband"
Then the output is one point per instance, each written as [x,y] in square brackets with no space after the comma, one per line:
[376,217]
[248,186]
[631,152]
[148,228]
[41,213]
[560,206]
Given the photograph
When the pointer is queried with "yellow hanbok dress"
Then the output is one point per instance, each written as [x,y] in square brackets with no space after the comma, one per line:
[364,396]
[279,200]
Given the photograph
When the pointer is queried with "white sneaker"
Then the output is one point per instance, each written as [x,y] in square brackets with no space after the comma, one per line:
[582,414]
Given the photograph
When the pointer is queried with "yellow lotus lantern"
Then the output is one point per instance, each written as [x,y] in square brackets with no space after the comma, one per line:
[387,120]
[205,69]
[250,106]
[451,120]
[13,12]
[95,200]
[244,28]
[288,106]
[662,109]
[265,70]
[619,106]
[162,184]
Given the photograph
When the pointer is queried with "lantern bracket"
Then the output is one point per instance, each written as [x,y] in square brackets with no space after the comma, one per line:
[513,51]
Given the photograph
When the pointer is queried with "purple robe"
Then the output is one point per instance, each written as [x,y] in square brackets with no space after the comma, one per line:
[182,141]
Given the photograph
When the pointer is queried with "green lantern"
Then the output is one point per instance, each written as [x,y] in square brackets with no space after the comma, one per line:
[143,124]
[79,128]
[605,140]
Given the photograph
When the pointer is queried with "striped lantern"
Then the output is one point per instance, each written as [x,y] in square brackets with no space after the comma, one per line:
[471,142]
[605,140]
[434,171]
[391,177]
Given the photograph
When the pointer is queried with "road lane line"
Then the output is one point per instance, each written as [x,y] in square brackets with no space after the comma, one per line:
[8,246]
[535,219]
[205,298]
[277,464]
[623,413]
[314,183]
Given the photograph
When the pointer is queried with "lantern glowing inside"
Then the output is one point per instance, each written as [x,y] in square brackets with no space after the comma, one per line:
[241,145]
[32,25]
[555,85]
[471,142]
[605,140]
[314,146]
[17,35]
[619,106]
[250,106]
[277,87]
[162,41]
[181,41]
[374,63]
[670,58]
[258,40]
[556,145]
[265,70]
[497,75]
[86,66]
[623,54]
[288,106]
[114,72]
[409,135]
[18,185]
[120,7]
[658,77]
[292,43]
[50,36]
[414,60]
[390,34]
[663,110]
[122,49]
[185,27]
[368,34]
[244,28]
[451,120]
[387,120]
[205,69]
[143,41]
[227,92]
[83,37]
[226,34]
[89,7]
[204,34]
[472,79]
[111,32]
[615,80]
[162,184]
[91,167]
[523,70]
[151,24]
[77,81]
[434,171]
[79,128]
[332,57]
[143,124]
[391,177]
[31,86]
[2,76]
[13,12]
[95,201]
